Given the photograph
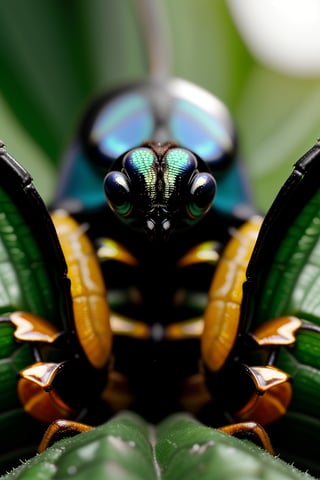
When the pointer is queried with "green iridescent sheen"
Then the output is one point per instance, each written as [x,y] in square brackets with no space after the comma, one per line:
[143,159]
[176,160]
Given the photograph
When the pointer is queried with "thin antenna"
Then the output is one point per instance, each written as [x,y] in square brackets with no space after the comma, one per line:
[155,32]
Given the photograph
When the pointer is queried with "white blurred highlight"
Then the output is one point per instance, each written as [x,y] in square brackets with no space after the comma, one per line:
[283,34]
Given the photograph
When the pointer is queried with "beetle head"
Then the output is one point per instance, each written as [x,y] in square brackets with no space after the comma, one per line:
[159,188]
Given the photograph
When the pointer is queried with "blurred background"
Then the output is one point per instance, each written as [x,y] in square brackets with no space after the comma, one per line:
[261,58]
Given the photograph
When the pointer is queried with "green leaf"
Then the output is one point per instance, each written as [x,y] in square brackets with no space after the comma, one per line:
[127,448]
[55,57]
[278,121]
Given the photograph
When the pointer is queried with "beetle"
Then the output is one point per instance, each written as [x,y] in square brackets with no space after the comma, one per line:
[243,353]
[142,174]
[70,362]
[156,233]
[145,359]
[134,137]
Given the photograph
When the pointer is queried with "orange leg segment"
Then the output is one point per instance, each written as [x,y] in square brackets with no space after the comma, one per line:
[250,428]
[91,310]
[221,318]
[59,429]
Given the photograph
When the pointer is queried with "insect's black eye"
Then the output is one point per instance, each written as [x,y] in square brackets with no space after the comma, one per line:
[201,194]
[117,191]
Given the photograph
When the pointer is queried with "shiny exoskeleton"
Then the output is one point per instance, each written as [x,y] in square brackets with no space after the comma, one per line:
[155,173]
[152,209]
[162,244]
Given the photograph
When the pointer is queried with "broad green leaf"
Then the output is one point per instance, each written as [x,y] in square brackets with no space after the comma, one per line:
[127,448]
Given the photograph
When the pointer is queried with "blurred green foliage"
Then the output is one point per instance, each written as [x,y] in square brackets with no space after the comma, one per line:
[56,56]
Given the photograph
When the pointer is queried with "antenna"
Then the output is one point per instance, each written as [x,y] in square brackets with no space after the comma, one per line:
[155,33]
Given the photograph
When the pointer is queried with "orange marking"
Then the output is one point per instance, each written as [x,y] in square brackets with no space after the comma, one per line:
[269,407]
[41,404]
[252,428]
[60,428]
[110,249]
[221,317]
[186,329]
[91,310]
[277,331]
[32,328]
[204,252]
[122,325]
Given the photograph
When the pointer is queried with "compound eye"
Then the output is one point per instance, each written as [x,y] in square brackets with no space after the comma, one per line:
[201,195]
[117,191]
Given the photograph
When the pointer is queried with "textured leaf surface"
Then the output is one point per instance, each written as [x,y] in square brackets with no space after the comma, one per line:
[32,279]
[283,279]
[127,448]
[283,270]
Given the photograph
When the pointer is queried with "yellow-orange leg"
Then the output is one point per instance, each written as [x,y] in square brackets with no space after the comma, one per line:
[32,328]
[59,429]
[38,397]
[251,428]
[205,252]
[221,318]
[89,297]
[273,386]
[34,385]
[273,390]
[91,317]
[67,428]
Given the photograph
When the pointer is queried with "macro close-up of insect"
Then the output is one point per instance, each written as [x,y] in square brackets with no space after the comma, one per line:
[150,285]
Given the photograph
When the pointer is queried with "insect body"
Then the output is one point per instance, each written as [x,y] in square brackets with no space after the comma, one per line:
[154,171]
[152,185]
[160,207]
[146,290]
